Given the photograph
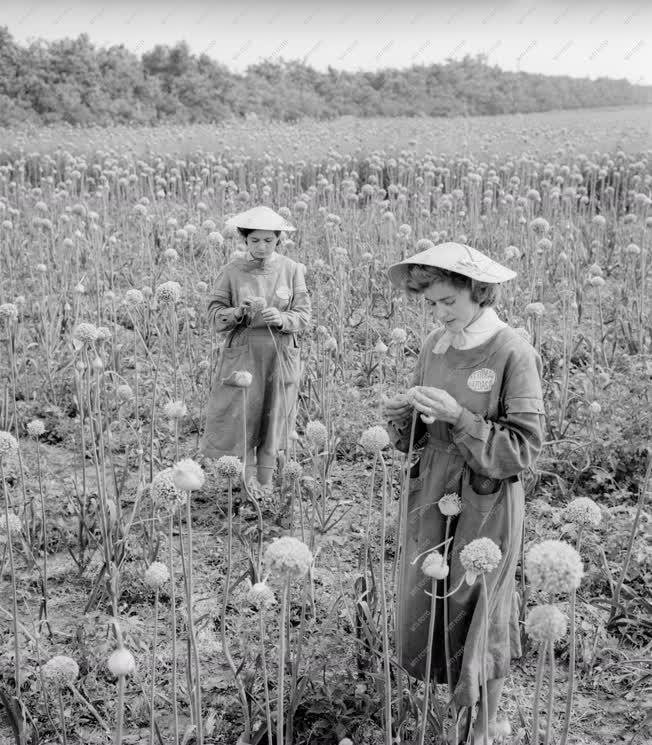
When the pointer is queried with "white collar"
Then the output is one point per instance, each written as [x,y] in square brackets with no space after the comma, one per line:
[477,332]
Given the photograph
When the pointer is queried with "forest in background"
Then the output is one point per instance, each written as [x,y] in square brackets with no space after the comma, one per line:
[73,81]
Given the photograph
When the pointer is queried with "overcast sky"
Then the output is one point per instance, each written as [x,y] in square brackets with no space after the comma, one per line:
[576,38]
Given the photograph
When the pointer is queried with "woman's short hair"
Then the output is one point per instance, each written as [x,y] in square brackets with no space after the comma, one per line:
[244,232]
[420,277]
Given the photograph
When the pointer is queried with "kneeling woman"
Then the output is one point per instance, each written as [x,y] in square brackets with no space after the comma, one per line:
[261,301]
[480,381]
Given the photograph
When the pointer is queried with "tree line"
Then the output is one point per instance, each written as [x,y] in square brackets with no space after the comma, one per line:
[72,81]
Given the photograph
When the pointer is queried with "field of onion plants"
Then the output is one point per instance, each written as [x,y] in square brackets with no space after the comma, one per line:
[145,598]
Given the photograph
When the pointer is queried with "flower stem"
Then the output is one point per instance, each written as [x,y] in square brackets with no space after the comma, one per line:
[281,662]
[268,713]
[551,693]
[12,567]
[543,648]
[153,673]
[384,613]
[117,740]
[63,718]
[483,669]
[426,677]
[173,609]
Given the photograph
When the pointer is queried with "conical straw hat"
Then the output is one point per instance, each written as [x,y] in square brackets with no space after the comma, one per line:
[260,218]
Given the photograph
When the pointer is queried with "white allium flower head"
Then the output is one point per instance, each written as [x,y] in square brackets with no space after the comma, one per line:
[292,470]
[242,378]
[288,556]
[261,595]
[399,336]
[434,566]
[168,293]
[554,566]
[535,309]
[229,467]
[124,392]
[134,298]
[10,524]
[60,671]
[156,574]
[36,428]
[316,434]
[165,492]
[8,444]
[374,439]
[8,312]
[381,348]
[188,475]
[450,505]
[584,512]
[86,333]
[545,623]
[480,556]
[121,663]
[175,409]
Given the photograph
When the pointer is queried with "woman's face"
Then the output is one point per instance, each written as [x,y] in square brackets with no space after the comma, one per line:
[452,306]
[261,243]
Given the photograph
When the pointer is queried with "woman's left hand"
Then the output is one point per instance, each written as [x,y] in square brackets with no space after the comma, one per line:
[272,316]
[437,403]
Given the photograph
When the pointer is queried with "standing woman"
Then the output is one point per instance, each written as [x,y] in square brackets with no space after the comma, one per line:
[481,381]
[261,301]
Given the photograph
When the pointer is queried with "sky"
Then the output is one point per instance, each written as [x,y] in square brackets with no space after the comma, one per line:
[578,38]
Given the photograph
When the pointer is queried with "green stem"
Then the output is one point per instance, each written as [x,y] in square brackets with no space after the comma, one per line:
[384,613]
[173,610]
[426,678]
[12,567]
[483,669]
[551,693]
[543,648]
[281,663]
[268,712]
[153,683]
[117,740]
[63,718]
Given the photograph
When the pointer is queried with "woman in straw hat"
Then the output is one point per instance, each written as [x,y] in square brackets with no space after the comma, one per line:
[261,301]
[477,384]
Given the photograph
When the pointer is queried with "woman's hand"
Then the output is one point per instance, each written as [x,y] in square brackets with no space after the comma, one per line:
[435,403]
[397,407]
[272,316]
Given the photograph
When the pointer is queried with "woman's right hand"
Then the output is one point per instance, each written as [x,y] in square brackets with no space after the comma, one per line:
[397,407]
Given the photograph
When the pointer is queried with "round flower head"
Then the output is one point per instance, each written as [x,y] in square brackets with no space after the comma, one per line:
[254,305]
[168,293]
[86,333]
[292,470]
[535,309]
[36,428]
[288,556]
[157,574]
[242,378]
[545,623]
[8,444]
[450,505]
[134,298]
[121,663]
[316,434]
[229,467]
[103,333]
[399,336]
[8,312]
[60,671]
[165,492]
[175,409]
[261,595]
[584,512]
[554,566]
[479,557]
[11,524]
[434,566]
[374,439]
[124,392]
[540,225]
[380,349]
[187,475]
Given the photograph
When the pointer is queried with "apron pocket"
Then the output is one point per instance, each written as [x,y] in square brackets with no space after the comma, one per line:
[290,364]
[481,492]
[233,360]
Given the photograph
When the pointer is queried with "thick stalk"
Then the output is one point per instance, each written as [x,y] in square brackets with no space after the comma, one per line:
[153,683]
[173,610]
[426,678]
[483,669]
[12,568]
[281,663]
[543,649]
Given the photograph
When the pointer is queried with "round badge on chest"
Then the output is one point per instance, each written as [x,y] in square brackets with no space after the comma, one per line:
[481,381]
[283,293]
